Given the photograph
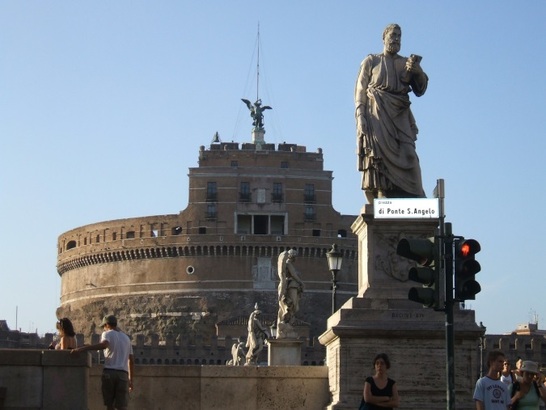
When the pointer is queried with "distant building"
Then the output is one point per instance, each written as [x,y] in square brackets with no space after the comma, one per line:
[527,342]
[14,339]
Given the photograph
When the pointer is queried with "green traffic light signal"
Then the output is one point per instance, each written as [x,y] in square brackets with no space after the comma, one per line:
[466,267]
[426,253]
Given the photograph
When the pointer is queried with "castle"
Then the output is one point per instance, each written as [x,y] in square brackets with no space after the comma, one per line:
[179,276]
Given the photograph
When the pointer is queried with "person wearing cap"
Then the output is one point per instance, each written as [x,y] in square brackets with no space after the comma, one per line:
[117,376]
[527,393]
[490,393]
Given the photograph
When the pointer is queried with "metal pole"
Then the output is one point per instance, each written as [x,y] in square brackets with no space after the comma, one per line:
[450,334]
[334,287]
[445,241]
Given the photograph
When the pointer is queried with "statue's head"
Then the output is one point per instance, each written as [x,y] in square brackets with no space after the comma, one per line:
[392,37]
[292,253]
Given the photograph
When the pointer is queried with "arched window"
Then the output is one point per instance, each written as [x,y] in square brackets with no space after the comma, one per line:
[70,245]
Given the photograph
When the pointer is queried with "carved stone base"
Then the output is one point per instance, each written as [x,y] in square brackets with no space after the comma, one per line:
[286,331]
[258,137]
[381,319]
[284,352]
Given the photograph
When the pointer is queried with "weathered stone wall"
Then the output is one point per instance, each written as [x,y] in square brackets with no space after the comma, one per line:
[147,284]
[43,379]
[47,380]
[223,387]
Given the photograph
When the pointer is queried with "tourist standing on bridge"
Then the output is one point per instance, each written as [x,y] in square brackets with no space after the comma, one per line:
[67,336]
[490,393]
[527,394]
[117,376]
[380,391]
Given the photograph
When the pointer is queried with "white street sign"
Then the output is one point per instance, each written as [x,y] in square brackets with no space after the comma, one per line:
[406,208]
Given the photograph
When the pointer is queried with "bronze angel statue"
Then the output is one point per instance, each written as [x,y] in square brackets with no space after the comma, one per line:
[256,112]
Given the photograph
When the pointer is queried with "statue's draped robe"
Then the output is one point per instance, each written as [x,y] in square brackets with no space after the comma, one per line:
[256,336]
[386,153]
[289,290]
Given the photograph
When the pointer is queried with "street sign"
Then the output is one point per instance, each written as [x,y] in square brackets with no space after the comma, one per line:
[406,208]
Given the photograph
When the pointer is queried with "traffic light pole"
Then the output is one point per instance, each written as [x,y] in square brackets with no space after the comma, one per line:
[445,241]
[450,335]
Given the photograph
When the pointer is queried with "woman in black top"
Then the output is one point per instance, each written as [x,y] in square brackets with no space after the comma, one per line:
[380,392]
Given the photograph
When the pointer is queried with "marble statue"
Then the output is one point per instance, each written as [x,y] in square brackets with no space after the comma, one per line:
[257,335]
[289,294]
[238,354]
[386,128]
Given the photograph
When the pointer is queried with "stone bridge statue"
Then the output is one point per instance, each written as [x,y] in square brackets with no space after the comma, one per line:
[289,293]
[386,129]
[238,354]
[257,335]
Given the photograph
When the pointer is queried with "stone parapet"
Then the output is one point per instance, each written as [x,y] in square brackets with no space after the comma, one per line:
[43,379]
[47,380]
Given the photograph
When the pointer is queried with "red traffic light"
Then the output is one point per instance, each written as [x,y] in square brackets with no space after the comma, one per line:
[469,247]
[466,267]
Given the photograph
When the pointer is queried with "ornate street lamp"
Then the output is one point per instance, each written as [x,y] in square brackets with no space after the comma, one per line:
[335,258]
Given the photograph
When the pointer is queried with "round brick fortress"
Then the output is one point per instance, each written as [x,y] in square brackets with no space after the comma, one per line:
[182,274]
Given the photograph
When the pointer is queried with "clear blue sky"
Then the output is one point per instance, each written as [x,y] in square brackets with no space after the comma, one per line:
[104,104]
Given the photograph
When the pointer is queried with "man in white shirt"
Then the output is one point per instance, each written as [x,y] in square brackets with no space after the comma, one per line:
[117,376]
[490,392]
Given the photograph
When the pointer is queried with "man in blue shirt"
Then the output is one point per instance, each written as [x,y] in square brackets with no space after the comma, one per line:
[490,392]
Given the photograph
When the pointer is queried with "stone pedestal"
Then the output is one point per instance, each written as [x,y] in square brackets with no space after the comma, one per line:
[284,352]
[380,319]
[258,137]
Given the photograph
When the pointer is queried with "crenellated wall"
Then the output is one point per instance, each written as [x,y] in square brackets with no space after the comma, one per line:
[150,349]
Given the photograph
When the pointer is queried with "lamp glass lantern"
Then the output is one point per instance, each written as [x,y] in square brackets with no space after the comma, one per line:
[335,258]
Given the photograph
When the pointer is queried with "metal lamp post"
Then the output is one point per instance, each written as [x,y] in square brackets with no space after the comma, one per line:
[335,258]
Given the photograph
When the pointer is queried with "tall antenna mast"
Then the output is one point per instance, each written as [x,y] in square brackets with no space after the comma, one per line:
[258,67]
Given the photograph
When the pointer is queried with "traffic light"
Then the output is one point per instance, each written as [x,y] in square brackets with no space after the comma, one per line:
[466,267]
[426,253]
